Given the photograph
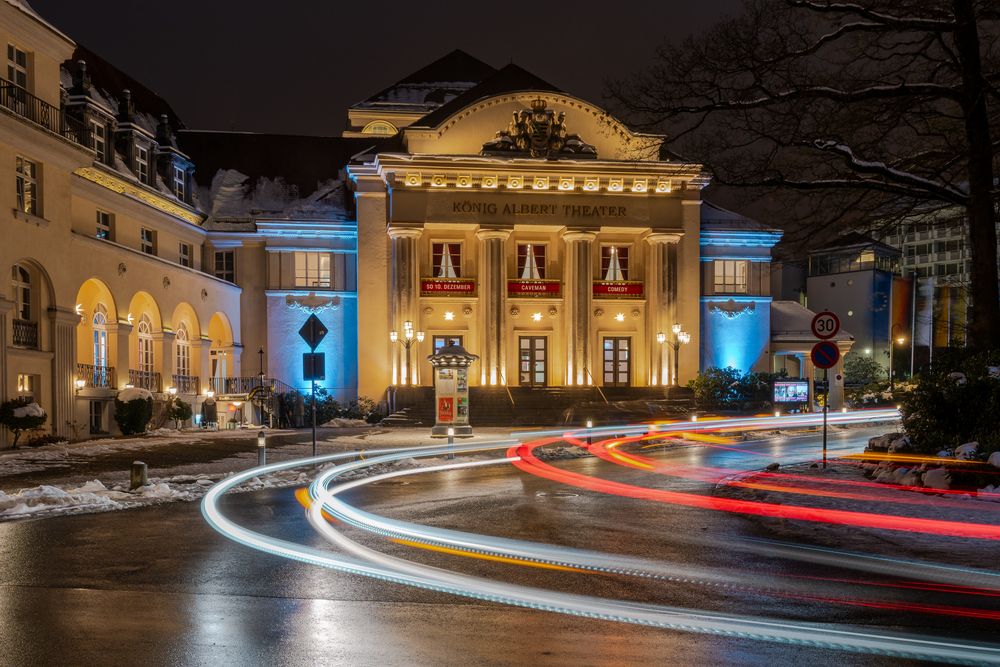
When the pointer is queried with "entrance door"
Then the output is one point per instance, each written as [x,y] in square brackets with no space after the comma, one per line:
[532,360]
[617,362]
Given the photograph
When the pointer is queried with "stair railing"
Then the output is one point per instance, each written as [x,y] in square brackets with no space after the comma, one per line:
[594,384]
[510,396]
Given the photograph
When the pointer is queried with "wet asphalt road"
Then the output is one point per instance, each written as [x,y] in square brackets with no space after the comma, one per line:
[157,586]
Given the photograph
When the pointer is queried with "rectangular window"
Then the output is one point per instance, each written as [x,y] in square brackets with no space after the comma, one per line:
[27,186]
[147,241]
[100,131]
[446,258]
[731,276]
[180,183]
[530,261]
[186,254]
[312,269]
[142,164]
[17,66]
[104,226]
[443,341]
[614,262]
[27,385]
[225,265]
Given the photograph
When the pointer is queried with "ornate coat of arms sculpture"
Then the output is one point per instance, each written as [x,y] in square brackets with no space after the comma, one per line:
[539,133]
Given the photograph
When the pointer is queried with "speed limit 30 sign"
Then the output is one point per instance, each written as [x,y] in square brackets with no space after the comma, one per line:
[825,325]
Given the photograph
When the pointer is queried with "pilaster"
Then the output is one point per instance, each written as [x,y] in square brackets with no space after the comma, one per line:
[403,291]
[64,323]
[661,286]
[6,308]
[492,300]
[578,288]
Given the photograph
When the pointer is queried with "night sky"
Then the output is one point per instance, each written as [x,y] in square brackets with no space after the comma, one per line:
[294,67]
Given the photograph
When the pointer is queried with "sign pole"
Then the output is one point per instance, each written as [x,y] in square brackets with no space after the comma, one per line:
[314,420]
[826,406]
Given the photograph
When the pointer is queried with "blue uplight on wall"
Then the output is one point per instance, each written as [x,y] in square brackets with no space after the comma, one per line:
[734,331]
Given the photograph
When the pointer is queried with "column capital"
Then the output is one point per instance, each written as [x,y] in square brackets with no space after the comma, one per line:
[573,236]
[658,238]
[487,234]
[405,232]
[691,202]
[63,315]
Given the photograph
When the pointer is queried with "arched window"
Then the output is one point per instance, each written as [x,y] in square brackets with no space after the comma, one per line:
[20,279]
[100,321]
[182,346]
[145,331]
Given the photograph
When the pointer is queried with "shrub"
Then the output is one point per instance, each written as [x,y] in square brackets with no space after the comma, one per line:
[179,411]
[132,416]
[862,369]
[730,389]
[19,415]
[955,402]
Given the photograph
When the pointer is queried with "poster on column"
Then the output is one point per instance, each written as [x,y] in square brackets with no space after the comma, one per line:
[462,396]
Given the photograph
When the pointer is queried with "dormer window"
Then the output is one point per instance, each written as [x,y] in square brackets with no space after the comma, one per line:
[142,163]
[100,131]
[17,66]
[180,183]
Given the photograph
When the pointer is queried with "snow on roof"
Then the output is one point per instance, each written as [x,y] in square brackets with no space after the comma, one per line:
[791,321]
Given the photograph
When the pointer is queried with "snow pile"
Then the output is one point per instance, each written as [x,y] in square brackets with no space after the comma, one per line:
[340,422]
[41,499]
[967,452]
[29,410]
[559,452]
[134,393]
[937,478]
[995,459]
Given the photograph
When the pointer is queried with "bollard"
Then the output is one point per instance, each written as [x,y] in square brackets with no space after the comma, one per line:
[451,442]
[590,425]
[261,449]
[137,476]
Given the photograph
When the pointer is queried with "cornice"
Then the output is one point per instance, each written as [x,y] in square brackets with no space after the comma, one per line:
[121,186]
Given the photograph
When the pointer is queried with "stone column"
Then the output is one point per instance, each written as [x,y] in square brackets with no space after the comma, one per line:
[578,283]
[164,357]
[492,300]
[404,287]
[6,307]
[63,413]
[201,365]
[122,334]
[837,381]
[809,373]
[661,288]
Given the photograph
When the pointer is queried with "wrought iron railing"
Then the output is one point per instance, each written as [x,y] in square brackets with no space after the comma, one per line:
[25,334]
[237,386]
[187,384]
[148,380]
[96,377]
[36,110]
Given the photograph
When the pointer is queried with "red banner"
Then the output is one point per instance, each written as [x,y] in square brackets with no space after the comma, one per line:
[446,409]
[516,288]
[618,289]
[447,286]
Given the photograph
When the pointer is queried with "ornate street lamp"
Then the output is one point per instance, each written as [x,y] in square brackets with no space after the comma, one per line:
[407,340]
[681,337]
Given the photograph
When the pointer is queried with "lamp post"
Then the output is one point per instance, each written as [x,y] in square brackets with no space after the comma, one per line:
[407,340]
[681,337]
[893,340]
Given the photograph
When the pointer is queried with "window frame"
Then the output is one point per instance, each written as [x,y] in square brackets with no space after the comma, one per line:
[729,283]
[147,355]
[185,254]
[15,68]
[540,266]
[182,351]
[21,286]
[310,272]
[142,163]
[147,244]
[225,273]
[437,271]
[27,180]
[100,139]
[27,385]
[625,268]
[180,183]
[104,227]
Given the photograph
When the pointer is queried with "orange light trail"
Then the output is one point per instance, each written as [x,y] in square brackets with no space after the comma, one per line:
[490,557]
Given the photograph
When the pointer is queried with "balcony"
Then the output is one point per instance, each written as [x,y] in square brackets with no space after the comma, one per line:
[148,380]
[186,384]
[23,104]
[96,377]
[26,334]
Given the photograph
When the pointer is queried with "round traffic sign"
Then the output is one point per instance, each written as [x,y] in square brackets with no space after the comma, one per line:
[825,325]
[825,354]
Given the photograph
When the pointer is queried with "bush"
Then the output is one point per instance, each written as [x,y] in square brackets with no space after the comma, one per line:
[862,369]
[730,389]
[955,402]
[45,439]
[19,415]
[133,416]
[328,409]
[179,411]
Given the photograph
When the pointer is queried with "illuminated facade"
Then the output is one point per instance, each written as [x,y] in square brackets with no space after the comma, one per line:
[464,203]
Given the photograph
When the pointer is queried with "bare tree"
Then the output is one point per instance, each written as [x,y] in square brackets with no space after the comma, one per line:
[849,112]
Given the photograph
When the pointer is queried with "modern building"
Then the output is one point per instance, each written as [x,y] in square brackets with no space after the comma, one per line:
[463,203]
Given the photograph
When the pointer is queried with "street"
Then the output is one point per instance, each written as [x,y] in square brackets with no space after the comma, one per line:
[75,587]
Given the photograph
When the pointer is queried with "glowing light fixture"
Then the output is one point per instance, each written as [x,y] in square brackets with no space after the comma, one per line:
[661,337]
[80,383]
[448,315]
[537,317]
[620,317]
[172,391]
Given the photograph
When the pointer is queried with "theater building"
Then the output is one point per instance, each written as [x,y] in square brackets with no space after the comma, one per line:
[464,202]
